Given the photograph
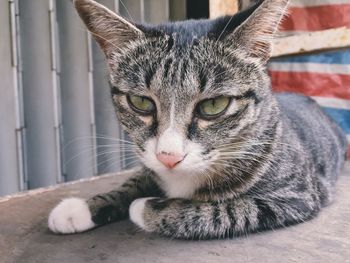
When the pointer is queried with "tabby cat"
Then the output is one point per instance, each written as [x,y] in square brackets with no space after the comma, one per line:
[222,155]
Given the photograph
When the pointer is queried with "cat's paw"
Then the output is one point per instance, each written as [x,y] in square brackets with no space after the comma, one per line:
[136,211]
[72,215]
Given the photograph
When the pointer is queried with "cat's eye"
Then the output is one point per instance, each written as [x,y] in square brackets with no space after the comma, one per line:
[141,105]
[212,108]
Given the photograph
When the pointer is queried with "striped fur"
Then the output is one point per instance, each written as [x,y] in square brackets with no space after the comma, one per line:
[268,162]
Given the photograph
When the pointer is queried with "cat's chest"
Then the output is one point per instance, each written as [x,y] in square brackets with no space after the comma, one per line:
[179,186]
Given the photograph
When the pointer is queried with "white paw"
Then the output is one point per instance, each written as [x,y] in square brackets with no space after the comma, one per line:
[136,210]
[72,215]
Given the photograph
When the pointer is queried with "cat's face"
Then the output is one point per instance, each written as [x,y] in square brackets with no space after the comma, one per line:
[189,102]
[185,101]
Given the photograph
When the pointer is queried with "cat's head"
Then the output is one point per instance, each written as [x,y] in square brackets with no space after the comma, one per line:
[186,92]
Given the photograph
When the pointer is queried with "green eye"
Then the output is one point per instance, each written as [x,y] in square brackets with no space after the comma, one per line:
[212,108]
[141,105]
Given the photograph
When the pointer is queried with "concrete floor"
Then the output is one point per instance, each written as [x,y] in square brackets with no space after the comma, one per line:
[24,236]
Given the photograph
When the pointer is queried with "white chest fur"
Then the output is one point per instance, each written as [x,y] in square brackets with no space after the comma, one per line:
[180,186]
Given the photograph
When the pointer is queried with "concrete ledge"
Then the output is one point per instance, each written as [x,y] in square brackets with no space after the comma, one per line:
[24,236]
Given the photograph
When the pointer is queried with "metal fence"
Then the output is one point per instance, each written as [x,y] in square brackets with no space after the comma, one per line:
[56,119]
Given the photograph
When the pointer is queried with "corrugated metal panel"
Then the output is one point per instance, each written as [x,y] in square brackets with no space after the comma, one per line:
[9,161]
[57,120]
[76,92]
[38,92]
[18,88]
[56,87]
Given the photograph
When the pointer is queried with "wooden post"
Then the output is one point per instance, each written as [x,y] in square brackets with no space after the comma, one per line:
[222,7]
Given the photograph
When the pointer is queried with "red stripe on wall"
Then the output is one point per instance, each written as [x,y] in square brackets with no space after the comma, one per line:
[312,84]
[317,18]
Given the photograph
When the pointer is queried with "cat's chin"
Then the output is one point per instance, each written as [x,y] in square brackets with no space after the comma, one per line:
[163,171]
[180,182]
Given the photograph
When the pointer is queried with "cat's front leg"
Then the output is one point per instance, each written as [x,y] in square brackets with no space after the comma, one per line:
[187,219]
[75,215]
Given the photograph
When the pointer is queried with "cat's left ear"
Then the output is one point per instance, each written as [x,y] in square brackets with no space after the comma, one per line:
[111,31]
[256,33]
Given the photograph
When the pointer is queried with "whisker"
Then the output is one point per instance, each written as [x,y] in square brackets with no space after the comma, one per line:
[95,155]
[223,31]
[127,11]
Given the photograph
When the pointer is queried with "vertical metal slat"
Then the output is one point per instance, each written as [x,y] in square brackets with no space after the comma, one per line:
[91,102]
[20,126]
[55,86]
[38,91]
[75,86]
[9,172]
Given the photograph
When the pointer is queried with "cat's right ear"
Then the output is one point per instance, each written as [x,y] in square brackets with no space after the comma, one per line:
[111,31]
[255,34]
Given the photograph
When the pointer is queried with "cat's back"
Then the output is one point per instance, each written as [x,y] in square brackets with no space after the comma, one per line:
[323,140]
[308,117]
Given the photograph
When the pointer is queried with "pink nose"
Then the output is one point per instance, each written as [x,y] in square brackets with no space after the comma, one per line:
[170,160]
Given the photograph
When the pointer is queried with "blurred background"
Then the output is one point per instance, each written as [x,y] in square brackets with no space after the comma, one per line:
[56,119]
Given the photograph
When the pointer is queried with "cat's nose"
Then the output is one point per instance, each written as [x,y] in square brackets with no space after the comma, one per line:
[170,160]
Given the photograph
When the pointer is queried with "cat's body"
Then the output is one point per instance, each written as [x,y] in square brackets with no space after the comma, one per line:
[222,155]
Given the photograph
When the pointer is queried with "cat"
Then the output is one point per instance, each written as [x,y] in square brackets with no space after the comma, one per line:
[221,154]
